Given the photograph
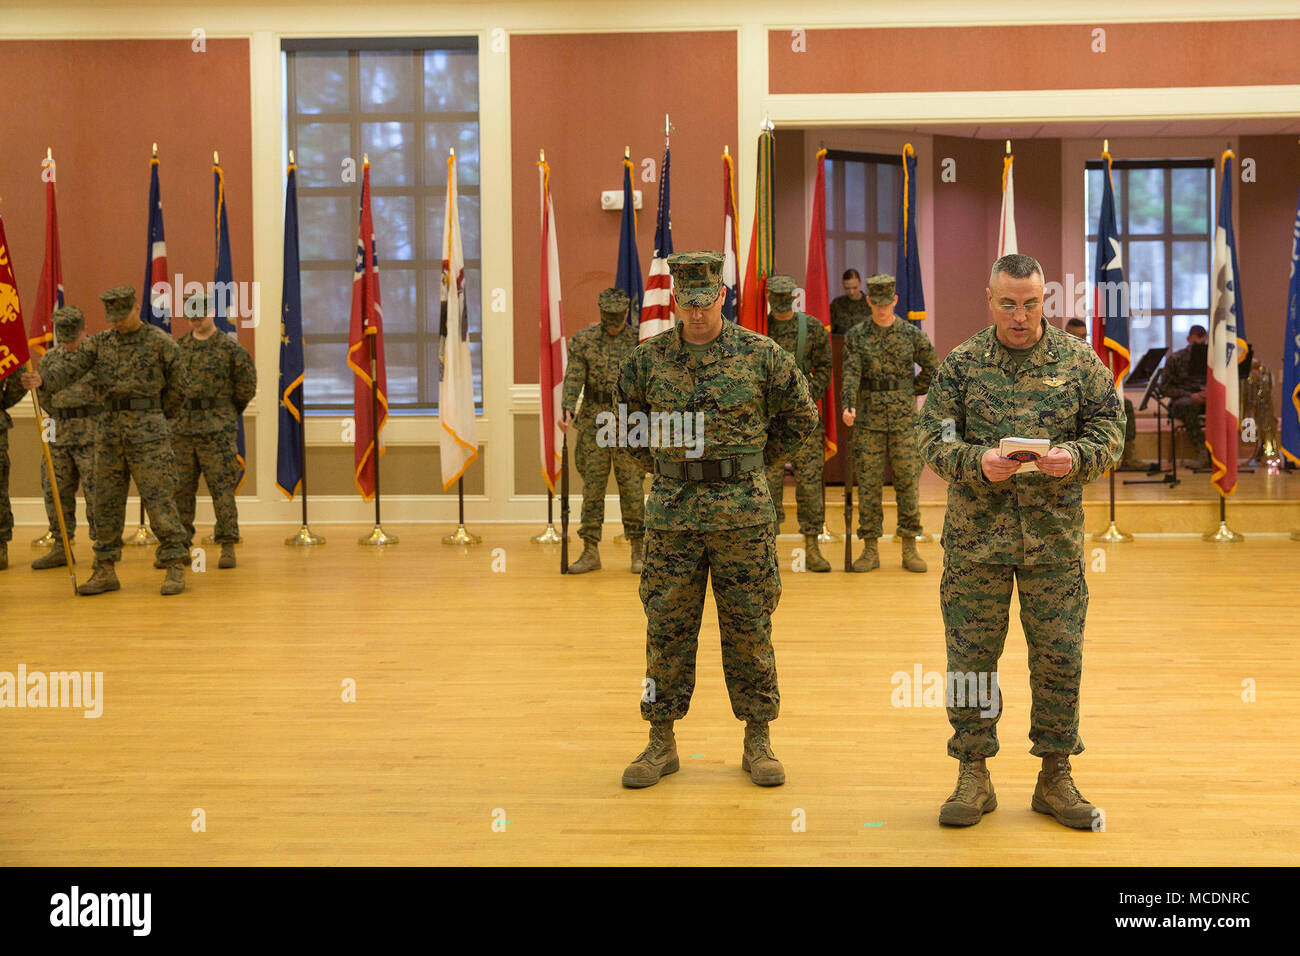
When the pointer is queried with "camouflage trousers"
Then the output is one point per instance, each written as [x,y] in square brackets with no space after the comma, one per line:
[975,599]
[1189,410]
[215,455]
[73,465]
[809,503]
[746,588]
[6,511]
[871,449]
[154,469]
[594,463]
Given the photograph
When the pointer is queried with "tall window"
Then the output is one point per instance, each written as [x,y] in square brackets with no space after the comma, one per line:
[405,103]
[861,214]
[1164,213]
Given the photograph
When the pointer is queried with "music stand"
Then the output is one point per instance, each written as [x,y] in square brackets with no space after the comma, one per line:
[1146,366]
[1153,391]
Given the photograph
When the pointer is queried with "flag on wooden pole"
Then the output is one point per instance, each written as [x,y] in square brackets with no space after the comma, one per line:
[1222,386]
[753,296]
[366,351]
[459,446]
[1007,220]
[49,293]
[730,256]
[817,296]
[911,296]
[289,439]
[550,349]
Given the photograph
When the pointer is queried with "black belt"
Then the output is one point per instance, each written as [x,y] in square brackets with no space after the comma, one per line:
[595,396]
[133,404]
[887,384]
[78,411]
[713,469]
[198,404]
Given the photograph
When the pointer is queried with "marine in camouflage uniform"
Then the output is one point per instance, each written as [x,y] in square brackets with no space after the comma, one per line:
[137,369]
[1185,391]
[220,381]
[807,340]
[12,390]
[846,311]
[75,411]
[1003,527]
[595,356]
[710,514]
[878,395]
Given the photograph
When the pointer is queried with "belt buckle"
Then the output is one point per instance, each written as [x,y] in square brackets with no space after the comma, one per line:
[727,468]
[693,470]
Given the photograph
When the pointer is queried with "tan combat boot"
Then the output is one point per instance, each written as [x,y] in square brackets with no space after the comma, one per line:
[174,583]
[638,554]
[227,556]
[814,560]
[103,579]
[911,560]
[658,759]
[1056,795]
[589,560]
[758,760]
[54,558]
[869,559]
[973,797]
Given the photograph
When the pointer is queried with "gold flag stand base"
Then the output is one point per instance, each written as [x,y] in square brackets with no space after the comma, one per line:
[1112,535]
[143,537]
[461,536]
[44,541]
[549,536]
[378,537]
[919,539]
[304,539]
[1295,535]
[1222,535]
[826,537]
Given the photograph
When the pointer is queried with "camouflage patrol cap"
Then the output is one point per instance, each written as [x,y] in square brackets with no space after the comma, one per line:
[613,301]
[880,289]
[68,322]
[697,277]
[780,289]
[199,304]
[118,302]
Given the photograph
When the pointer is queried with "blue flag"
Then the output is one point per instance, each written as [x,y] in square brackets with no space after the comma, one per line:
[1110,300]
[223,290]
[911,297]
[628,276]
[289,463]
[1291,353]
[155,306]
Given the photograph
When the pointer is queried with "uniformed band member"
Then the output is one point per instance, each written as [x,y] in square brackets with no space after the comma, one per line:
[807,340]
[1130,461]
[1024,378]
[220,381]
[75,412]
[1185,388]
[851,308]
[710,515]
[880,388]
[136,368]
[12,389]
[595,356]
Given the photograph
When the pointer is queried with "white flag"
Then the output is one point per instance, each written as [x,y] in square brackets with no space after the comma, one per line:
[459,447]
[1007,222]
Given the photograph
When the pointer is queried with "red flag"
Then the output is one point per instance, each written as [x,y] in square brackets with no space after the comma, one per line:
[49,294]
[550,351]
[816,291]
[13,335]
[753,296]
[366,349]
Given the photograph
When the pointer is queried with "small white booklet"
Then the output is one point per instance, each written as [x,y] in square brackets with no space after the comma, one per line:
[1027,451]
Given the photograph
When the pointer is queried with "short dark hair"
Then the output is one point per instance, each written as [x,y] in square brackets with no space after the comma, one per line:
[850,274]
[1077,324]
[1016,266]
[1197,330]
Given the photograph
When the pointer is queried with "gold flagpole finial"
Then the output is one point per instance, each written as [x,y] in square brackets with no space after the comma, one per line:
[365,158]
[49,152]
[216,160]
[452,152]
[155,150]
[1008,147]
[1105,146]
[291,158]
[541,155]
[726,151]
[627,152]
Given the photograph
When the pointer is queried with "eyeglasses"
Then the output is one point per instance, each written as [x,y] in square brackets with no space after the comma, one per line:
[1010,308]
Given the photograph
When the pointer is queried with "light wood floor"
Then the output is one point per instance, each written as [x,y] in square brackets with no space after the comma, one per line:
[517,692]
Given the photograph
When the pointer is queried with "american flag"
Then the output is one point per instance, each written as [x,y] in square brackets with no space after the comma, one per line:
[155,307]
[657,310]
[730,256]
